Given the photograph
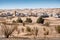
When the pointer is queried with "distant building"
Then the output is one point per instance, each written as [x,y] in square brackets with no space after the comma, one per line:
[58,15]
[26,14]
[3,15]
[9,14]
[17,14]
[44,15]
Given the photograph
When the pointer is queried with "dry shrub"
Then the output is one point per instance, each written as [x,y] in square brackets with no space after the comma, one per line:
[14,21]
[47,24]
[40,20]
[46,31]
[22,29]
[58,28]
[19,20]
[28,29]
[23,24]
[35,31]
[28,20]
[7,30]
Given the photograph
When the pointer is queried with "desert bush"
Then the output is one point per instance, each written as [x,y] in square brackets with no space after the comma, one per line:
[14,21]
[44,29]
[47,24]
[23,24]
[19,20]
[22,29]
[7,31]
[28,20]
[58,29]
[46,32]
[28,29]
[35,31]
[40,20]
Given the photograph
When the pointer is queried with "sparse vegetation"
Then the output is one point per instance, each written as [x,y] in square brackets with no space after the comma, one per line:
[7,31]
[43,28]
[28,29]
[19,20]
[23,24]
[28,20]
[22,29]
[36,31]
[46,32]
[47,24]
[58,29]
[40,20]
[14,21]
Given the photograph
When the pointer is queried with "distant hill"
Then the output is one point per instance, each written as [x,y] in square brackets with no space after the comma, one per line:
[37,10]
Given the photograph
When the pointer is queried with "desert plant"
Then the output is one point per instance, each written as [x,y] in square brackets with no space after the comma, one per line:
[18,30]
[14,21]
[47,24]
[44,29]
[22,29]
[28,20]
[35,31]
[19,20]
[58,29]
[40,20]
[7,31]
[23,24]
[46,32]
[28,29]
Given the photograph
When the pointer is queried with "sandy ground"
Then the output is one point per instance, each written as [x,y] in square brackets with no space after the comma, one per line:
[51,29]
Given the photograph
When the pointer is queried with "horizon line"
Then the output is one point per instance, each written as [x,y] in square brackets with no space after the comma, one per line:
[26,8]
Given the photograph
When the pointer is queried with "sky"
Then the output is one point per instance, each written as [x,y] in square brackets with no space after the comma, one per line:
[21,4]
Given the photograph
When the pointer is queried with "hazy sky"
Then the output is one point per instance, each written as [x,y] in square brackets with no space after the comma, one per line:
[7,4]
